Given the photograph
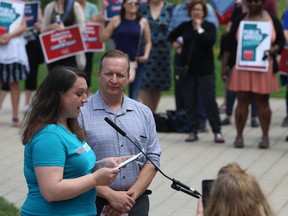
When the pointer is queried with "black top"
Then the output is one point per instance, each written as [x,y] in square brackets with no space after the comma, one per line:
[202,58]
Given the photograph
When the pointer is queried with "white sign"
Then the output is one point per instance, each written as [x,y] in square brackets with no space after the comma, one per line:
[253,40]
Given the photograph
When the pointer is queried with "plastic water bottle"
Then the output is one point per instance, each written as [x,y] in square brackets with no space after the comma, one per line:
[58,19]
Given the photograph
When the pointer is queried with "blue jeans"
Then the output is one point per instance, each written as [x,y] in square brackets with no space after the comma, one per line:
[230,99]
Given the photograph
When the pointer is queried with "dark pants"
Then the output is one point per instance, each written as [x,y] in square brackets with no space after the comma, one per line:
[230,99]
[69,61]
[141,207]
[89,66]
[179,95]
[206,86]
[178,92]
[35,56]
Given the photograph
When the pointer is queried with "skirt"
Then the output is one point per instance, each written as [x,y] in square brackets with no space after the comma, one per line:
[12,72]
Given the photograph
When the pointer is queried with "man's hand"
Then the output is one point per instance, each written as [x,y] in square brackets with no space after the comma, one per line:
[120,202]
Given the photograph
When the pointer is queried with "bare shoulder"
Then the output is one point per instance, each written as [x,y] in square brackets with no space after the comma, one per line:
[115,21]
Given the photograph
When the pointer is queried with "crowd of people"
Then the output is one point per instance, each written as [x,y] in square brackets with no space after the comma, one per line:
[71,152]
[145,31]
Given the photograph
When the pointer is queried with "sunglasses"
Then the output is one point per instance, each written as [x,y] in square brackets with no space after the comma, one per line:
[255,1]
[130,2]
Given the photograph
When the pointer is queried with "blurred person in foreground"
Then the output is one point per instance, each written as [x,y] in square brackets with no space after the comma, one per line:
[235,192]
[58,163]
[254,84]
[128,193]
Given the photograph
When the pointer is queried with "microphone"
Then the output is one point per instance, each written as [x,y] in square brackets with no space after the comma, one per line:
[177,185]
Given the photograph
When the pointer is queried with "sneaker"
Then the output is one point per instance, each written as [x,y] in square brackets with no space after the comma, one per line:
[285,122]
[191,137]
[225,122]
[254,123]
[219,138]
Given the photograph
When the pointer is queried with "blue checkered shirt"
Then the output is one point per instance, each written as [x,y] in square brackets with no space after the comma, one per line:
[133,118]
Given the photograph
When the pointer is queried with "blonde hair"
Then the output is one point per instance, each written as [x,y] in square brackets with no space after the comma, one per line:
[236,193]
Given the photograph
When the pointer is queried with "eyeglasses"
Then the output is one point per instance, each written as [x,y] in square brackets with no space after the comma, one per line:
[130,2]
[197,9]
[255,1]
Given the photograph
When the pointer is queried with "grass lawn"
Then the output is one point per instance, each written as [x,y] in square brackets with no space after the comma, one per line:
[7,208]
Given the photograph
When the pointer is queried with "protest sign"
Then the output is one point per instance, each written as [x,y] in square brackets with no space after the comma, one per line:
[57,45]
[31,13]
[11,14]
[253,40]
[91,38]
[113,8]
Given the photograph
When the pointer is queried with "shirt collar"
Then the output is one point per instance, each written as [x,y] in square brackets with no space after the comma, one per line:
[99,104]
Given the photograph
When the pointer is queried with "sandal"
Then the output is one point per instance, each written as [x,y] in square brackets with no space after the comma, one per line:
[239,143]
[264,143]
[16,123]
[191,137]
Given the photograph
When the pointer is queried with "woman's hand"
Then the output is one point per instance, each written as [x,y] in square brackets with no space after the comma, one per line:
[105,176]
[197,22]
[5,38]
[200,207]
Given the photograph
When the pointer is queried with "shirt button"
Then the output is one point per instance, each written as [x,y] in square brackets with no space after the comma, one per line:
[123,177]
[121,146]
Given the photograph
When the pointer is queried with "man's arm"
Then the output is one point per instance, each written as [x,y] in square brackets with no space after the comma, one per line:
[145,178]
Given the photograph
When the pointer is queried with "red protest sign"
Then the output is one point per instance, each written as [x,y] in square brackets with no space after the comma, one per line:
[91,38]
[57,45]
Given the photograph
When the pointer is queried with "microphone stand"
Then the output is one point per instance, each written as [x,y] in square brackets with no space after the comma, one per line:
[177,185]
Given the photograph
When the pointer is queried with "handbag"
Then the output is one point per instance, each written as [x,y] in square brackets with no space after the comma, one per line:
[132,71]
[181,72]
[134,64]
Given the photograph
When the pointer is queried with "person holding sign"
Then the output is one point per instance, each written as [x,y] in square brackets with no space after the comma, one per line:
[254,40]
[14,64]
[128,30]
[57,15]
[91,13]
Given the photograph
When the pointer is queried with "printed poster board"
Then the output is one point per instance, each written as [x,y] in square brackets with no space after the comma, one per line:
[57,45]
[11,14]
[31,13]
[254,39]
[91,38]
[113,8]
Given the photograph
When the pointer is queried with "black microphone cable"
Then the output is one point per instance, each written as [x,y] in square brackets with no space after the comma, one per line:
[177,185]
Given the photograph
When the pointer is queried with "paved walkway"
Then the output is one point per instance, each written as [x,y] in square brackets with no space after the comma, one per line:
[188,162]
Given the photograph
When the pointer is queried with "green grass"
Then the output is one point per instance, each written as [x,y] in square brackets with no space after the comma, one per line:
[8,209]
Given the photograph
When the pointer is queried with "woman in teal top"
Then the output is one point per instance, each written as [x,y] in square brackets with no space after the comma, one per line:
[58,163]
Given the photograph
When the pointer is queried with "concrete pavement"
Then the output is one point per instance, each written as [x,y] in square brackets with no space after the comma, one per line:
[188,162]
